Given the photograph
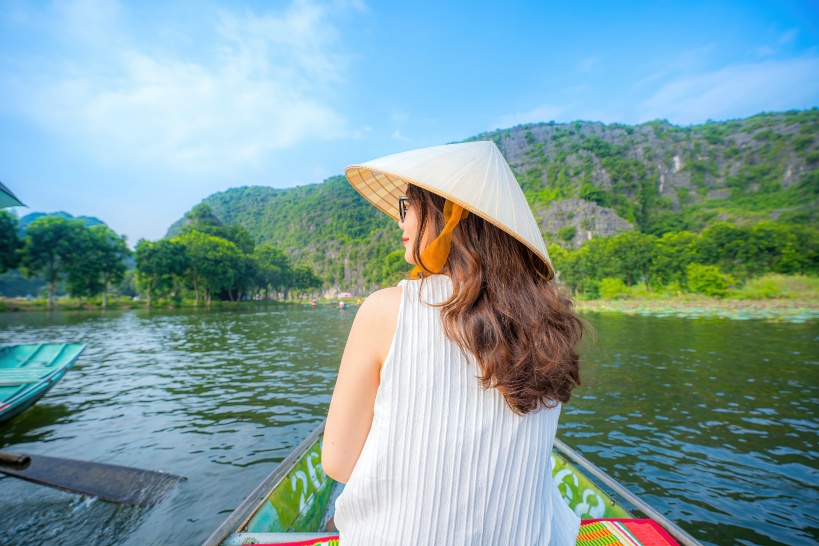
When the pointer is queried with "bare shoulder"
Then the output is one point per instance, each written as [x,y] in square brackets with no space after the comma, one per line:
[376,321]
[384,301]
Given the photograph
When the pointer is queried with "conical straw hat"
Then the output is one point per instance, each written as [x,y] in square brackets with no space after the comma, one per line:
[474,175]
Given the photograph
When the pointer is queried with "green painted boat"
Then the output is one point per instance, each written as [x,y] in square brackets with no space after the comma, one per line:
[295,501]
[27,372]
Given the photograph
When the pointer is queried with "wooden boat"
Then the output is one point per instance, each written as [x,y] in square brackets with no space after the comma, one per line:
[27,372]
[295,502]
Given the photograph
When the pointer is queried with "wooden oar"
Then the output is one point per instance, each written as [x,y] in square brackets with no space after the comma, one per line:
[109,482]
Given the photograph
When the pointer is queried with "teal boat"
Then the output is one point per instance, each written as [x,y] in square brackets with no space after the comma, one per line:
[27,372]
[295,502]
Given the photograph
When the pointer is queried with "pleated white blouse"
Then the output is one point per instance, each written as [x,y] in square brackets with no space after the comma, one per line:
[446,461]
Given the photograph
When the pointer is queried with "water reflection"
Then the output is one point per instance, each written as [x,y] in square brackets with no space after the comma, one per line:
[714,422]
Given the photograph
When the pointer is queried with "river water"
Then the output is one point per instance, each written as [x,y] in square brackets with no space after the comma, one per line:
[712,422]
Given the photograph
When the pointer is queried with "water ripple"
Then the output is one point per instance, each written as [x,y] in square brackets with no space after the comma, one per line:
[712,422]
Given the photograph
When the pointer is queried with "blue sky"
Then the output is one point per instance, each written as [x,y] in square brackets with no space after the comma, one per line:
[135,111]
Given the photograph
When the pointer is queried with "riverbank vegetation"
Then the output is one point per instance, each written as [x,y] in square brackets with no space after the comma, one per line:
[206,260]
[68,303]
[765,270]
[721,261]
[210,259]
[791,298]
[88,260]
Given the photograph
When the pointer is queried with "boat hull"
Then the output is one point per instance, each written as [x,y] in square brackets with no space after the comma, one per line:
[296,500]
[28,372]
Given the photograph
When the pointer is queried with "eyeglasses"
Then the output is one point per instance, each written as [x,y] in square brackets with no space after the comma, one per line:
[403,205]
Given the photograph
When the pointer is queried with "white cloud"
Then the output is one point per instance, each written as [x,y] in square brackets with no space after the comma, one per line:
[735,91]
[267,84]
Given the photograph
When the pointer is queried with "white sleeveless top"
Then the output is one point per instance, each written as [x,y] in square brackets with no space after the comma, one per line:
[446,461]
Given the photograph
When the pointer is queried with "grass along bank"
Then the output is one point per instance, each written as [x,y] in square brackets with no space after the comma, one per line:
[65,303]
[788,298]
[704,307]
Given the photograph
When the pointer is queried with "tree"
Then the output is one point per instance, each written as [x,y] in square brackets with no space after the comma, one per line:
[591,193]
[305,279]
[200,216]
[82,273]
[674,251]
[9,241]
[572,267]
[566,233]
[634,251]
[159,262]
[708,280]
[720,244]
[386,270]
[599,260]
[557,255]
[214,263]
[110,251]
[237,235]
[772,247]
[273,267]
[612,289]
[51,244]
[247,279]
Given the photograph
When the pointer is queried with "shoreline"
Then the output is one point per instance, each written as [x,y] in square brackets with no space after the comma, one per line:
[797,310]
[19,305]
[780,310]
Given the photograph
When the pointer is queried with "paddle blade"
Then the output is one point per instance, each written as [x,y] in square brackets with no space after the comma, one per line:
[109,482]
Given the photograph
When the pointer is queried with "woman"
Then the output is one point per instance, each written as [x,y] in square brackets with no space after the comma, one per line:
[449,390]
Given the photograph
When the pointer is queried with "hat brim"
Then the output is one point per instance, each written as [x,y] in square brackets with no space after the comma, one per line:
[382,189]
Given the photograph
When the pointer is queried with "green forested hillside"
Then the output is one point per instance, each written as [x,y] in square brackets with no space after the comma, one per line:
[328,226]
[584,180]
[659,177]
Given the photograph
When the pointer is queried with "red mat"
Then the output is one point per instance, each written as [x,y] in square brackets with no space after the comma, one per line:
[623,532]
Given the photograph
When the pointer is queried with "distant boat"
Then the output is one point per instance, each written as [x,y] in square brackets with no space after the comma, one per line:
[27,372]
[295,502]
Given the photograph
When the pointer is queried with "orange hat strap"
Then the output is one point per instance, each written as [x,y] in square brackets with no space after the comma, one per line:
[434,256]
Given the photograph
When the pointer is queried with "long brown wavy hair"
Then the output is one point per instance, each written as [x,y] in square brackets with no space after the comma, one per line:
[505,310]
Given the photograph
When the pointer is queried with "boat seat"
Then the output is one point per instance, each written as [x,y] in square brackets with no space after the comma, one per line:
[21,376]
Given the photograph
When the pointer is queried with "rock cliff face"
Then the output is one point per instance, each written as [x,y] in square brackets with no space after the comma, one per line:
[589,220]
[654,168]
